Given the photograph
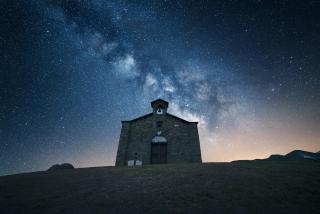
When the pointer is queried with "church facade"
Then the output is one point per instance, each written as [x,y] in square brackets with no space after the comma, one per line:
[158,138]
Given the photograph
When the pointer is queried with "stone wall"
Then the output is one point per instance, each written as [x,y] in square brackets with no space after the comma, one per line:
[136,135]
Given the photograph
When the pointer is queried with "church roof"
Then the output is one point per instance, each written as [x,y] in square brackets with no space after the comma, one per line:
[155,104]
[150,114]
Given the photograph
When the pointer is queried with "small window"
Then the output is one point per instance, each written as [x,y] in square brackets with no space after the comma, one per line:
[159,124]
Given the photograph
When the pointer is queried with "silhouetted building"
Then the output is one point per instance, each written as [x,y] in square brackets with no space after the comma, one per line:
[158,138]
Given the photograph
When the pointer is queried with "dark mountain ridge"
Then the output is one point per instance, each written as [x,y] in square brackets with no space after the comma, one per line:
[296,154]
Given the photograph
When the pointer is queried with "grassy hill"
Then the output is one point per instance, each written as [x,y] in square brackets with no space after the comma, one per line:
[238,187]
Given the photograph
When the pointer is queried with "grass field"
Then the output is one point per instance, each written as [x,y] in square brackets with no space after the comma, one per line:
[238,187]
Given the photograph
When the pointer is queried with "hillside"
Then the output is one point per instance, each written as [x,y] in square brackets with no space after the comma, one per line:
[294,155]
[238,187]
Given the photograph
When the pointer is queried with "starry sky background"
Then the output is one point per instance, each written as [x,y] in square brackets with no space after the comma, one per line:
[70,71]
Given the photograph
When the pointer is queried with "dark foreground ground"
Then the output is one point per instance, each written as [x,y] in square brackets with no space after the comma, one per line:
[239,187]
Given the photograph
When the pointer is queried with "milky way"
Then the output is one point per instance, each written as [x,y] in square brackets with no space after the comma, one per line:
[72,70]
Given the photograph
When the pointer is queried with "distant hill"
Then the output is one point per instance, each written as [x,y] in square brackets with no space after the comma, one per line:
[291,186]
[296,154]
[62,166]
[276,157]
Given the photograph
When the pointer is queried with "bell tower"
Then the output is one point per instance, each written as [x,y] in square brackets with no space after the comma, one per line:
[159,106]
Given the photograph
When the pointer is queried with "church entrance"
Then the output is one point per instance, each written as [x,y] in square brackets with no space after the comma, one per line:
[158,153]
[159,150]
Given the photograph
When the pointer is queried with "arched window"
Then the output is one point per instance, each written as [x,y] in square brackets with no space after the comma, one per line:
[159,139]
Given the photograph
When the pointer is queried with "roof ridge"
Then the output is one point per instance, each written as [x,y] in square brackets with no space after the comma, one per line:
[149,114]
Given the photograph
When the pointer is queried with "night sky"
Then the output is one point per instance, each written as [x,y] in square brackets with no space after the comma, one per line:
[70,71]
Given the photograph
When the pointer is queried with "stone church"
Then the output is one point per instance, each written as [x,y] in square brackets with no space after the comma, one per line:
[158,138]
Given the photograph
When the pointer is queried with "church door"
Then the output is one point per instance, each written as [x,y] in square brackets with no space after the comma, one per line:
[158,153]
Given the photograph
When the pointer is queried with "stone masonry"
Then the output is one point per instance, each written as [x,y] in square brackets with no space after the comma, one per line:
[158,138]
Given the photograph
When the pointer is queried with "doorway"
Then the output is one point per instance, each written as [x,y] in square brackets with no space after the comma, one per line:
[158,153]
